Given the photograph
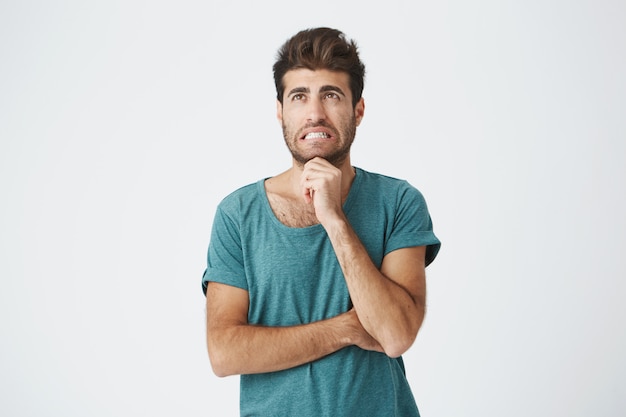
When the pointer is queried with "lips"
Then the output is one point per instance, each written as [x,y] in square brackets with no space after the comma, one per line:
[316,135]
[318,131]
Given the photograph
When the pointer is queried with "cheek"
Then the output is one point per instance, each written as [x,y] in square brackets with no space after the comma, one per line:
[290,117]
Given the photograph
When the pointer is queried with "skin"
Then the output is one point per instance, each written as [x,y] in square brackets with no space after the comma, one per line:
[389,304]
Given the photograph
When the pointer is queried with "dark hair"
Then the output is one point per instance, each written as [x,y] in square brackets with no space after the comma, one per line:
[320,48]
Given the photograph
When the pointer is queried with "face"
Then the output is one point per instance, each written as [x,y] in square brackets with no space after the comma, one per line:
[317,116]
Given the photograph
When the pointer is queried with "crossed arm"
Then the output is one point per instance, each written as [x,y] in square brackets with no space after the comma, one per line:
[386,316]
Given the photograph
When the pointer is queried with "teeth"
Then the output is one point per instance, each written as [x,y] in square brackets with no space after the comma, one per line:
[317,135]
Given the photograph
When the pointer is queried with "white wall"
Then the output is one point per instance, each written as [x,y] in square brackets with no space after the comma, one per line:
[122,124]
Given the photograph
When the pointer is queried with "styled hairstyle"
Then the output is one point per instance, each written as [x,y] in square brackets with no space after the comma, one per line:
[320,48]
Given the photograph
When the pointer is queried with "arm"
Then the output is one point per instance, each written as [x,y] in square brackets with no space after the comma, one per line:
[236,347]
[390,302]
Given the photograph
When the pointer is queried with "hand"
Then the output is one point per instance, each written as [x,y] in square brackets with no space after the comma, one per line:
[359,336]
[321,185]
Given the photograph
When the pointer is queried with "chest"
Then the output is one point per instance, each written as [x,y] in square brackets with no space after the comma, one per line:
[292,213]
[294,279]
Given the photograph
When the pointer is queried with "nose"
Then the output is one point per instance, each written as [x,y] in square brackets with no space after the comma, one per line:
[315,110]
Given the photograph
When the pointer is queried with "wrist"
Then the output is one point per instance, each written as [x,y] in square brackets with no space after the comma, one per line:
[334,223]
[349,325]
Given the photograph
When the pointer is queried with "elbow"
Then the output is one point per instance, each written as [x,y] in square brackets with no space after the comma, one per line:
[397,346]
[219,372]
[219,363]
[219,368]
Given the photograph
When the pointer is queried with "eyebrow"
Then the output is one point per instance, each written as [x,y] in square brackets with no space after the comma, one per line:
[298,90]
[323,89]
[327,88]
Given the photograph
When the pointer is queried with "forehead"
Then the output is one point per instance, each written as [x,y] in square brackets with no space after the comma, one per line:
[315,79]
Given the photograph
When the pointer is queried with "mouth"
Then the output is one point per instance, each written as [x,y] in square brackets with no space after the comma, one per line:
[316,135]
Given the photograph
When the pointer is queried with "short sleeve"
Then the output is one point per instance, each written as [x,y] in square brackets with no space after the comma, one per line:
[225,256]
[412,224]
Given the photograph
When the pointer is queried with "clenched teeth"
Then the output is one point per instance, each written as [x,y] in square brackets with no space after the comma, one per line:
[317,135]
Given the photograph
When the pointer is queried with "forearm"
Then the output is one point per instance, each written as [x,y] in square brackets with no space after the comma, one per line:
[386,310]
[249,349]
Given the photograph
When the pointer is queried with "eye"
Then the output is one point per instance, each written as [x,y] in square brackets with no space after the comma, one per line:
[332,96]
[297,97]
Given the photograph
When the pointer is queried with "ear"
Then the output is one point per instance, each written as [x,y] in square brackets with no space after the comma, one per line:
[279,112]
[359,111]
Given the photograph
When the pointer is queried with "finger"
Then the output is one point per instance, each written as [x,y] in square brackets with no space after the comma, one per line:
[317,161]
[307,189]
[307,193]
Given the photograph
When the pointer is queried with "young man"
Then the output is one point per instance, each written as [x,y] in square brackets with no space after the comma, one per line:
[315,281]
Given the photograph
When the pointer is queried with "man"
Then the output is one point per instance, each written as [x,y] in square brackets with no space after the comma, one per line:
[315,283]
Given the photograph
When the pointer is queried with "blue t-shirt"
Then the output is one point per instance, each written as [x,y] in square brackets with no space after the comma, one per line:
[293,277]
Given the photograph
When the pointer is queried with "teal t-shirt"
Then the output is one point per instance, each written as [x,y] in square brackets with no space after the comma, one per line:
[293,277]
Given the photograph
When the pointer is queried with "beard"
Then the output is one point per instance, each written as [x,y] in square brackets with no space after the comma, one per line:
[344,137]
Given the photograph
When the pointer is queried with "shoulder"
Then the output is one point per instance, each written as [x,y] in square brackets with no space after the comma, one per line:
[240,201]
[242,194]
[380,179]
[388,187]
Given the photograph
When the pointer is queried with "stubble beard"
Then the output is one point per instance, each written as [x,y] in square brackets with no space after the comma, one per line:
[335,157]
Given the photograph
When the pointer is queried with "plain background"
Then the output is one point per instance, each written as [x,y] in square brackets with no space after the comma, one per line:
[124,123]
